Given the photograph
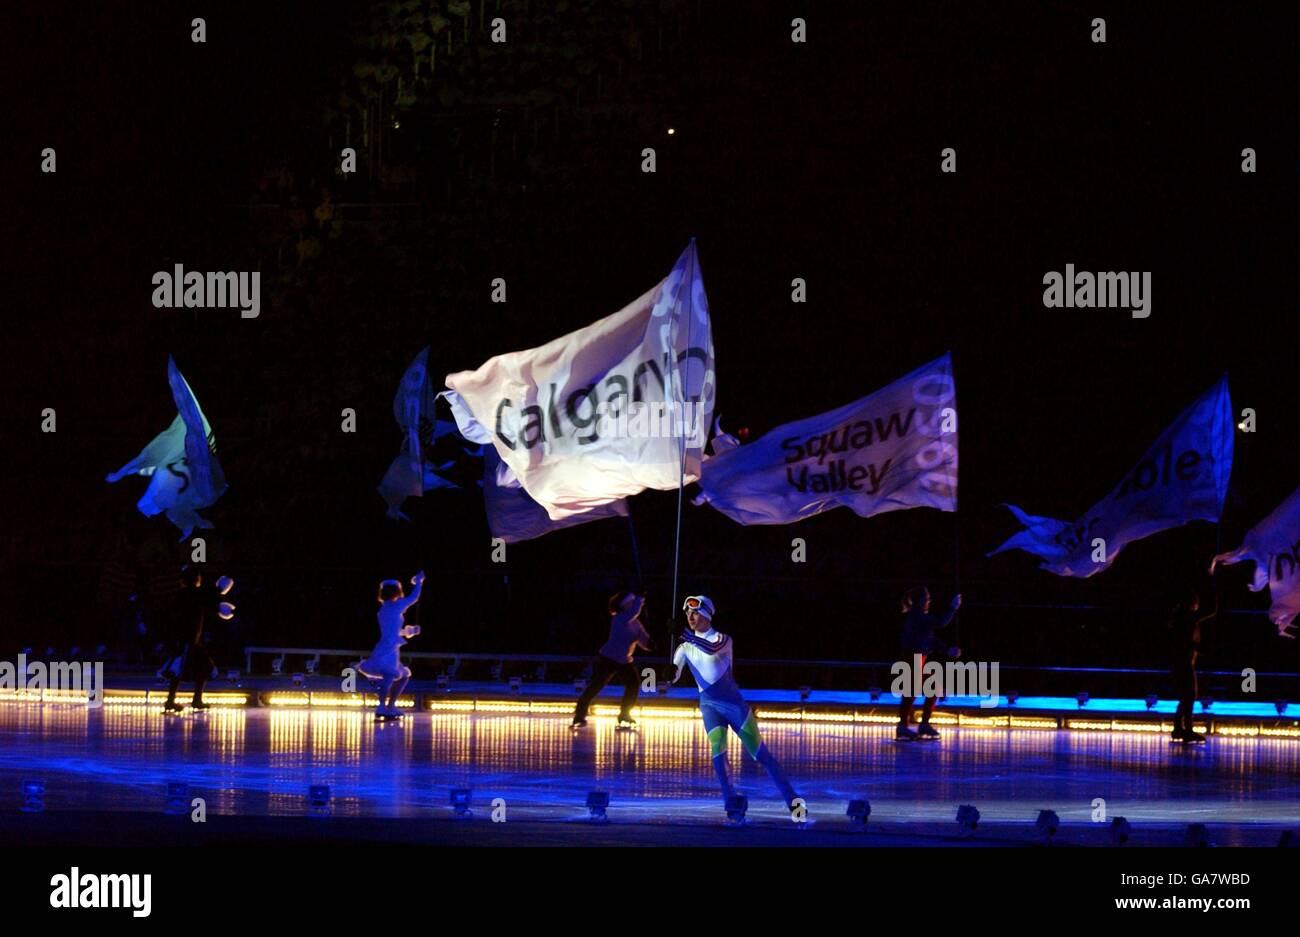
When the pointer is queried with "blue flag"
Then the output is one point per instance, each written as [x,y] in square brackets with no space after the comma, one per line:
[1183,477]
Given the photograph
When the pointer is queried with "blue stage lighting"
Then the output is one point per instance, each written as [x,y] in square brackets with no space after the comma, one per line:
[579,686]
[597,804]
[804,693]
[1047,824]
[1152,699]
[858,812]
[33,796]
[178,798]
[515,684]
[967,819]
[1280,706]
[460,800]
[318,800]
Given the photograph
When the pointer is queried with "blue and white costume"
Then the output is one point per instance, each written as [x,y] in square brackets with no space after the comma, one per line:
[708,655]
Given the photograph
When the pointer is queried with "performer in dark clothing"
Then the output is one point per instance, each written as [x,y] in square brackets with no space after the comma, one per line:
[190,660]
[921,638]
[626,634]
[1185,643]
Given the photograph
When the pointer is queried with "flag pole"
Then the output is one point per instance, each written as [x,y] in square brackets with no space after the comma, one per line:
[956,574]
[636,554]
[688,281]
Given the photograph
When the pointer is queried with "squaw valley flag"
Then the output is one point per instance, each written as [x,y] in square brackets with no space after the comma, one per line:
[181,463]
[1183,477]
[414,471]
[892,450]
[513,516]
[606,411]
[1273,545]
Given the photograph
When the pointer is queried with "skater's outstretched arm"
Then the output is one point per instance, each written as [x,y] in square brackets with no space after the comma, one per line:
[946,620]
[418,581]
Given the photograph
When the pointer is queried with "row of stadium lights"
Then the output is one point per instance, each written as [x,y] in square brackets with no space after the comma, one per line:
[858,811]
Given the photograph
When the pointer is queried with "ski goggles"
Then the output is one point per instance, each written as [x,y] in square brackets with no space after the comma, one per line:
[699,603]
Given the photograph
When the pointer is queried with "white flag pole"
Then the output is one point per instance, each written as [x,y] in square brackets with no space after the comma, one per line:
[688,282]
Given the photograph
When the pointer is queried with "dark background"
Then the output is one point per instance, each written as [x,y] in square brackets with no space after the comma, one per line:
[818,161]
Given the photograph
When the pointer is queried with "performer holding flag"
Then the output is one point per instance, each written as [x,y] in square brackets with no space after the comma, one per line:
[191,660]
[921,640]
[626,634]
[708,653]
[385,661]
[1185,643]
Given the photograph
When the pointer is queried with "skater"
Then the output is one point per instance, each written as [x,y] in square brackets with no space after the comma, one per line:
[1185,643]
[708,653]
[385,661]
[190,660]
[921,639]
[626,634]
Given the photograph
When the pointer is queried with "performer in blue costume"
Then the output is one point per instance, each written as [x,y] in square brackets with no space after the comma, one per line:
[708,653]
[385,661]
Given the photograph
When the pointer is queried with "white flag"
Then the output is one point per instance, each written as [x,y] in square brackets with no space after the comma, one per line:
[1183,477]
[180,463]
[889,451]
[606,411]
[514,516]
[1273,545]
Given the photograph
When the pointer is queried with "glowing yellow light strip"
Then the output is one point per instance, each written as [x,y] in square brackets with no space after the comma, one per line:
[984,722]
[120,697]
[808,716]
[651,712]
[287,699]
[1284,733]
[500,706]
[1138,727]
[152,699]
[329,700]
[876,718]
[551,708]
[1023,722]
[452,705]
